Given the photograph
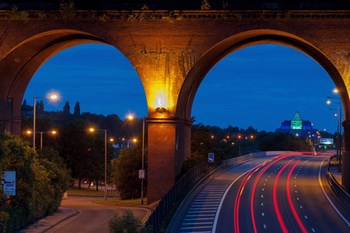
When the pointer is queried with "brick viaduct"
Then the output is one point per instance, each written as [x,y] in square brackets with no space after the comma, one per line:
[171,51]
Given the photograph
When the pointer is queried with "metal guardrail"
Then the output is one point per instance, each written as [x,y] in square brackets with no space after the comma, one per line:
[340,192]
[169,202]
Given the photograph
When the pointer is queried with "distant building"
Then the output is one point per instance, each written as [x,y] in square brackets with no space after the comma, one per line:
[297,127]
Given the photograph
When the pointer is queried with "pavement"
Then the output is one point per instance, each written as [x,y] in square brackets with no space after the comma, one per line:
[50,221]
[65,214]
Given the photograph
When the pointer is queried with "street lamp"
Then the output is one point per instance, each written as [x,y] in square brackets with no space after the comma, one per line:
[142,171]
[52,132]
[92,130]
[339,115]
[239,137]
[53,97]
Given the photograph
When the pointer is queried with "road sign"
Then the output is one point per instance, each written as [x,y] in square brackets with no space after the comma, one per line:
[326,141]
[211,157]
[141,174]
[9,183]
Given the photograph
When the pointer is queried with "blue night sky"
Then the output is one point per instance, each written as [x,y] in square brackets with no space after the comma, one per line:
[258,86]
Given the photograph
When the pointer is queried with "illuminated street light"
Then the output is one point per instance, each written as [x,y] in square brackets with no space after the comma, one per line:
[239,137]
[142,172]
[339,115]
[92,130]
[53,97]
[52,132]
[130,116]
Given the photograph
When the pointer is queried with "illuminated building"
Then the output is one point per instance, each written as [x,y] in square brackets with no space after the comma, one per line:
[297,126]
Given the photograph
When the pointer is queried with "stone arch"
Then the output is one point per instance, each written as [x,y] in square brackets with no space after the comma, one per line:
[20,63]
[245,39]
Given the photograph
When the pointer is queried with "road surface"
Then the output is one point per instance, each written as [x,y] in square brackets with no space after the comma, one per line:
[281,193]
[92,217]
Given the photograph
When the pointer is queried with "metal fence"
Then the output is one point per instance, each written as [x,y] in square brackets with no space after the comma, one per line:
[157,221]
[167,206]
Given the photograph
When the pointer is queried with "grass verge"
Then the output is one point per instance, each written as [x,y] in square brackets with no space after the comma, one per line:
[90,193]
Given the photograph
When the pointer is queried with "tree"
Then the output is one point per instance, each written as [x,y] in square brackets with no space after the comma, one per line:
[40,183]
[66,108]
[124,173]
[40,107]
[75,143]
[284,142]
[77,109]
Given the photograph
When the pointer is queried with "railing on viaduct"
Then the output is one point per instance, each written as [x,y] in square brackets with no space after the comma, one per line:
[157,222]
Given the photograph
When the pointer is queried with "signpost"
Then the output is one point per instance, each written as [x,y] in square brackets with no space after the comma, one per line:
[211,157]
[141,174]
[9,183]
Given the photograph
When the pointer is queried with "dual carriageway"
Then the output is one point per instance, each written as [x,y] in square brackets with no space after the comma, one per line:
[286,192]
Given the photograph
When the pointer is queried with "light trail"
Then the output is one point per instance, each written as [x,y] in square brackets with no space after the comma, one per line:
[275,203]
[242,186]
[238,200]
[296,216]
[256,184]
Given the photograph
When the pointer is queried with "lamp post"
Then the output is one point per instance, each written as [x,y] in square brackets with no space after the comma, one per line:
[239,137]
[143,158]
[92,130]
[142,172]
[53,97]
[53,132]
[339,129]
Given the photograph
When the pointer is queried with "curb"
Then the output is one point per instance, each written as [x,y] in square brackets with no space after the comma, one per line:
[49,222]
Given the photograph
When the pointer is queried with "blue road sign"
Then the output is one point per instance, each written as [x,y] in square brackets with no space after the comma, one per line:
[211,157]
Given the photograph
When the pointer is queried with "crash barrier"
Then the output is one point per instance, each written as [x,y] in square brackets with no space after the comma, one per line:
[341,194]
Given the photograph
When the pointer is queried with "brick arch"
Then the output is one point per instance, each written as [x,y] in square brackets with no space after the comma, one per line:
[245,39]
[20,64]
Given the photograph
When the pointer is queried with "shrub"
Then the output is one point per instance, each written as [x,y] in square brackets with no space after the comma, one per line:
[4,217]
[124,224]
[39,183]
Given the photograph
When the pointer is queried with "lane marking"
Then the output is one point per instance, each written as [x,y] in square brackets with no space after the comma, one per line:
[230,186]
[224,196]
[275,203]
[289,198]
[272,162]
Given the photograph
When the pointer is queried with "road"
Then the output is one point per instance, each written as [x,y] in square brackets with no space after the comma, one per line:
[92,217]
[281,193]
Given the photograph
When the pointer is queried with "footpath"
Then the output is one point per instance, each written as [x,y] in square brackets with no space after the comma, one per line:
[64,214]
[50,221]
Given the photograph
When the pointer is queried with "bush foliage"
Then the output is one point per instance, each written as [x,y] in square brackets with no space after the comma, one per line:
[40,183]
[124,224]
[125,173]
